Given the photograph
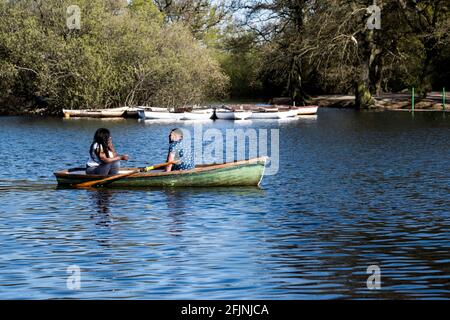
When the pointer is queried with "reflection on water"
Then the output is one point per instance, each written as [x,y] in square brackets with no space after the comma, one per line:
[240,122]
[101,200]
[159,121]
[177,206]
[311,117]
[354,189]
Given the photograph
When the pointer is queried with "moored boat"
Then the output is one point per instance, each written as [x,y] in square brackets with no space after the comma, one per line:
[271,113]
[201,114]
[306,110]
[227,114]
[132,112]
[159,113]
[96,113]
[292,112]
[240,173]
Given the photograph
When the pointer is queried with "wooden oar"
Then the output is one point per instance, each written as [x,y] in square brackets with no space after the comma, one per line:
[157,166]
[89,184]
[115,177]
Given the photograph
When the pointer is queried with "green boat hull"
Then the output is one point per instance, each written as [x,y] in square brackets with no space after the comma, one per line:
[241,173]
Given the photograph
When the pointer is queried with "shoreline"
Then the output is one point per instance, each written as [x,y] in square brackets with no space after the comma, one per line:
[385,102]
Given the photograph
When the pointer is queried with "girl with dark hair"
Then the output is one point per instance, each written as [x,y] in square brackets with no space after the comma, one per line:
[104,159]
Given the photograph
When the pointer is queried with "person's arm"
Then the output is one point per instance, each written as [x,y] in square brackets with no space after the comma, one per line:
[111,147]
[170,158]
[105,159]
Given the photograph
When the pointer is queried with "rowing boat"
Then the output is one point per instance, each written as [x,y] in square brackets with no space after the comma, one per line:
[157,113]
[240,173]
[232,114]
[201,114]
[306,110]
[96,113]
[271,113]
[132,112]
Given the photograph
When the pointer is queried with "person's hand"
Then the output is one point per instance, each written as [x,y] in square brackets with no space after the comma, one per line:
[124,157]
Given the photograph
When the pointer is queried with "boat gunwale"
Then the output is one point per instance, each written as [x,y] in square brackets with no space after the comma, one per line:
[203,168]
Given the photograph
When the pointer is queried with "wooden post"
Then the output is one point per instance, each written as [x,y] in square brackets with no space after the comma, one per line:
[443,98]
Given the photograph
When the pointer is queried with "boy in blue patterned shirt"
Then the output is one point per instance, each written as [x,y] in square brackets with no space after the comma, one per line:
[178,152]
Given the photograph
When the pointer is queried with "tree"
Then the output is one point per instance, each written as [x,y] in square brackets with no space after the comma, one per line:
[241,59]
[328,42]
[428,22]
[123,54]
[202,17]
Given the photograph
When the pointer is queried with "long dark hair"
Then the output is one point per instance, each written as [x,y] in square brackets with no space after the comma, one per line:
[101,137]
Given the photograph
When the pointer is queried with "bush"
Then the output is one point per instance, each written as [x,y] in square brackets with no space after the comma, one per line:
[122,55]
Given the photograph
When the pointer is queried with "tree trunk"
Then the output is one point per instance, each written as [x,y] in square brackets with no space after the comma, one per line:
[366,79]
[375,71]
[363,97]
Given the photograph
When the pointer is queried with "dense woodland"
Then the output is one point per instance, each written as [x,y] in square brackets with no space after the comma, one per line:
[173,53]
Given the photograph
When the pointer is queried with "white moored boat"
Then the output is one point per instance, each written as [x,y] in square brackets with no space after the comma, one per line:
[226,114]
[203,114]
[292,112]
[159,113]
[307,110]
[272,113]
[95,113]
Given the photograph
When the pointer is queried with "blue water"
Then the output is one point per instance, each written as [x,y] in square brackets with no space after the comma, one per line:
[354,189]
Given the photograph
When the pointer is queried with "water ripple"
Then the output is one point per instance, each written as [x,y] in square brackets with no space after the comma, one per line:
[353,190]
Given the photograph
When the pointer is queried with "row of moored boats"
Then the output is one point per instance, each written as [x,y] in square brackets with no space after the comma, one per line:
[228,112]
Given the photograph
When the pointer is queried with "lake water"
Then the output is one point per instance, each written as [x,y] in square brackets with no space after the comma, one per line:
[354,189]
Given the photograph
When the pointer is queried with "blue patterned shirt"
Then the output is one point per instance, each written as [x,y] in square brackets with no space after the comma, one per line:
[182,154]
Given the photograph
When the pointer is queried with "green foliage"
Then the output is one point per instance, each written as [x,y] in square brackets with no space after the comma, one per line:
[241,60]
[177,52]
[146,7]
[122,55]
